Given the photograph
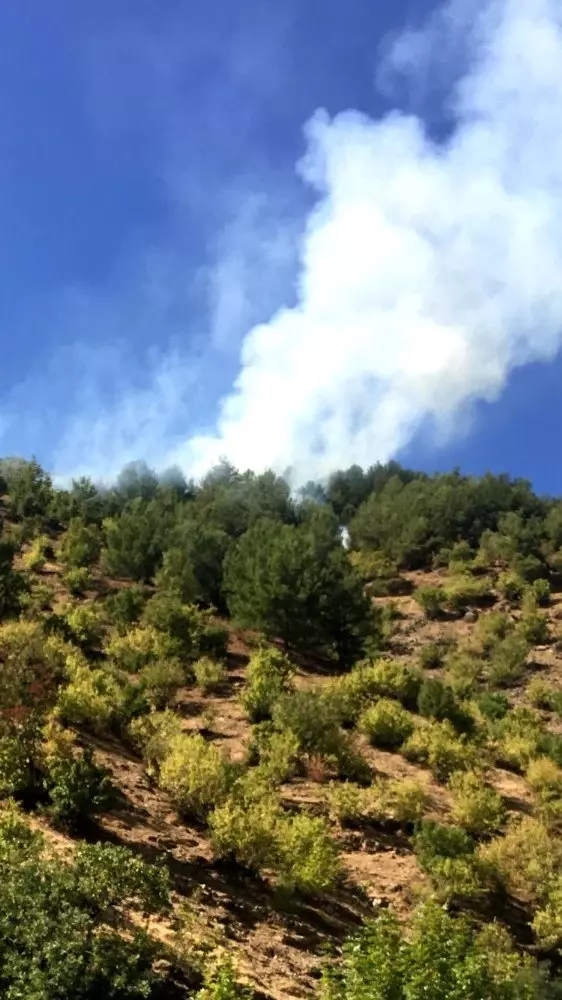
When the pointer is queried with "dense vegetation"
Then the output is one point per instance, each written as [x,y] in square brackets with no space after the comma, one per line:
[116,603]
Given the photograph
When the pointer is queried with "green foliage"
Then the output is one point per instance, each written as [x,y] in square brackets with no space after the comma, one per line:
[210,675]
[518,737]
[431,656]
[297,583]
[431,600]
[313,721]
[77,580]
[182,624]
[133,542]
[267,678]
[28,486]
[33,667]
[153,734]
[527,858]
[511,586]
[160,681]
[353,692]
[81,545]
[37,554]
[196,775]
[461,592]
[507,660]
[309,856]
[446,853]
[124,607]
[386,724]
[138,647]
[442,958]
[476,807]
[493,704]
[85,622]
[541,592]
[93,698]
[12,583]
[78,787]
[214,641]
[545,779]
[62,921]
[437,744]
[436,700]
[220,983]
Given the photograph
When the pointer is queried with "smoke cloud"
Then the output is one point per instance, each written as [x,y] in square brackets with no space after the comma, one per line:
[428,270]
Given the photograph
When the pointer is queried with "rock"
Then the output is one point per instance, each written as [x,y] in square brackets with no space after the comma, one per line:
[471,616]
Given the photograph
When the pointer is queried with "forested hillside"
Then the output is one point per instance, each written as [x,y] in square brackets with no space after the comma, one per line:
[262,744]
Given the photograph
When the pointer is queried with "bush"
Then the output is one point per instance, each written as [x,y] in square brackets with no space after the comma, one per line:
[431,656]
[65,924]
[81,545]
[518,737]
[77,580]
[349,803]
[196,775]
[160,681]
[527,858]
[404,800]
[78,788]
[352,693]
[86,624]
[152,735]
[476,807]
[442,958]
[545,779]
[36,556]
[33,667]
[210,675]
[125,606]
[310,860]
[462,592]
[437,744]
[533,627]
[493,704]
[139,647]
[540,694]
[268,677]
[437,701]
[511,586]
[214,641]
[219,981]
[313,721]
[93,697]
[446,853]
[182,624]
[247,832]
[276,753]
[507,661]
[541,592]
[386,724]
[431,600]
[490,629]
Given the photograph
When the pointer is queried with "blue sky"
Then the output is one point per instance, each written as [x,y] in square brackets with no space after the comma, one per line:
[155,211]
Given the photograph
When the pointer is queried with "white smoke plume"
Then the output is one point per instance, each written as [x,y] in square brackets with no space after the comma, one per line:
[428,270]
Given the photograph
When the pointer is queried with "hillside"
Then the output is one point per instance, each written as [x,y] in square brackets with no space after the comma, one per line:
[301,742]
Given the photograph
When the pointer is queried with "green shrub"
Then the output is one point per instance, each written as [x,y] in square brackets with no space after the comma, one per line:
[446,853]
[476,807]
[20,773]
[461,592]
[138,647]
[547,921]
[124,607]
[349,803]
[310,860]
[93,697]
[545,779]
[437,701]
[488,631]
[431,600]
[65,923]
[248,832]
[182,624]
[268,677]
[314,722]
[464,671]
[527,858]
[431,656]
[86,624]
[386,724]
[196,775]
[219,981]
[402,799]
[442,958]
[540,694]
[541,592]
[533,627]
[152,735]
[78,788]
[77,580]
[511,586]
[507,661]
[276,753]
[353,692]
[493,704]
[81,545]
[438,745]
[518,738]
[36,556]
[210,675]
[160,681]
[214,641]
